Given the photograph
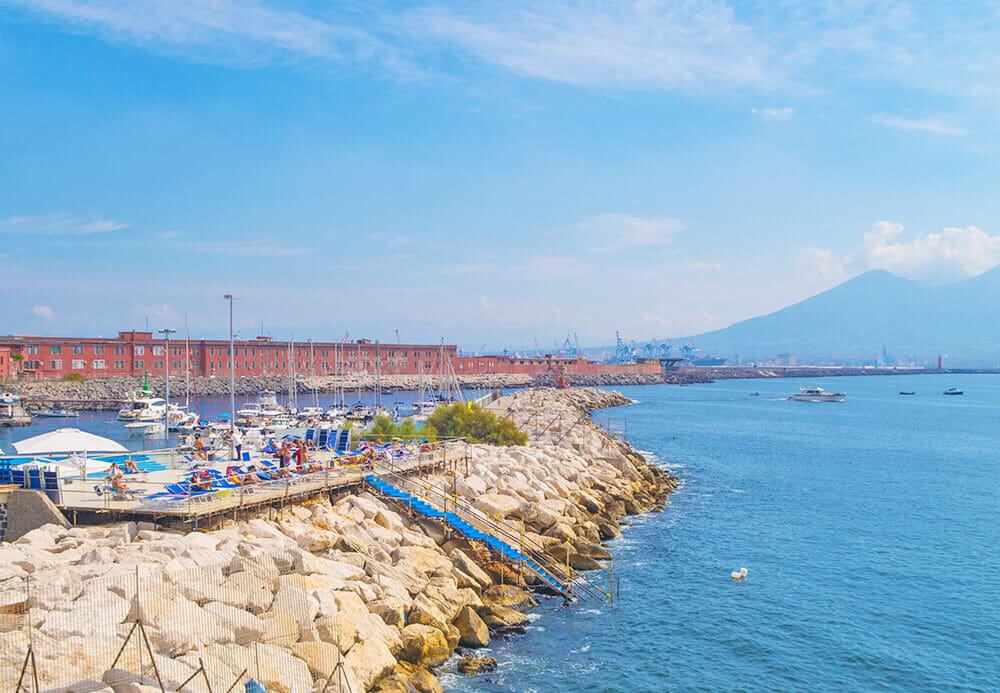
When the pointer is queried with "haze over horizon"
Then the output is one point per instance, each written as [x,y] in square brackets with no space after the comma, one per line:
[490,177]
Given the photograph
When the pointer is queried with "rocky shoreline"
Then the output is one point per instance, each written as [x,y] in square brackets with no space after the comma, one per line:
[349,589]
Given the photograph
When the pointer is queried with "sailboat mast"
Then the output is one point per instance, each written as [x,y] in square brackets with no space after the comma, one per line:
[312,363]
[187,363]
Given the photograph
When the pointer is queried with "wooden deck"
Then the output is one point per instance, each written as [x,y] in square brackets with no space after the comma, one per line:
[82,505]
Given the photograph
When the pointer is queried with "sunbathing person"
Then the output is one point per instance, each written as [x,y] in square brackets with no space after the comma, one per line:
[130,467]
[200,451]
[234,476]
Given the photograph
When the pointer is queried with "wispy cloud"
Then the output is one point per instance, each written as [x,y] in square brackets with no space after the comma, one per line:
[44,312]
[58,224]
[774,114]
[248,248]
[645,45]
[615,232]
[237,32]
[929,125]
[702,266]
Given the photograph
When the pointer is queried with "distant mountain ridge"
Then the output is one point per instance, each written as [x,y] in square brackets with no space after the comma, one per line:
[876,309]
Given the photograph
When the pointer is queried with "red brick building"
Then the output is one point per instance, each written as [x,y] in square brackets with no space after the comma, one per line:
[134,353]
[6,364]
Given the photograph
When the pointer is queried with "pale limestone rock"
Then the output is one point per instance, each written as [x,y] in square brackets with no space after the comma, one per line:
[370,660]
[280,628]
[464,563]
[472,629]
[301,605]
[320,657]
[245,626]
[424,645]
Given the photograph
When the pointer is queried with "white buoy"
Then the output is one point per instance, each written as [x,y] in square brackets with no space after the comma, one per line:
[740,574]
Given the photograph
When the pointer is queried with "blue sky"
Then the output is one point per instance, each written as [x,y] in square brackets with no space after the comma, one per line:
[485,173]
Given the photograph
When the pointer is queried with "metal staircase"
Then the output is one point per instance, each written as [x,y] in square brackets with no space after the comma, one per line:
[435,503]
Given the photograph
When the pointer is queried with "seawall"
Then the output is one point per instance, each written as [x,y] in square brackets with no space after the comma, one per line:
[351,590]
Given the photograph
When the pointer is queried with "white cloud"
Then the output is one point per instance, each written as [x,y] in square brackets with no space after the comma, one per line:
[43,312]
[929,125]
[702,266]
[820,263]
[773,114]
[953,253]
[647,45]
[58,224]
[614,232]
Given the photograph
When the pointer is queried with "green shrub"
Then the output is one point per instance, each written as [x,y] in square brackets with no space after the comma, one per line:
[73,378]
[474,424]
[383,429]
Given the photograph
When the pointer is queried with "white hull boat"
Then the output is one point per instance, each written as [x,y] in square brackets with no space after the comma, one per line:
[817,394]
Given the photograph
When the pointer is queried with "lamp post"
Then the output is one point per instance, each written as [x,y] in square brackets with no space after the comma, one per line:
[166,332]
[232,381]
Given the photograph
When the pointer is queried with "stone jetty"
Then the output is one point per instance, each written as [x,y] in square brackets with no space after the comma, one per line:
[351,591]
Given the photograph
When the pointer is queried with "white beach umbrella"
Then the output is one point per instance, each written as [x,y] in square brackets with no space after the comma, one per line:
[65,441]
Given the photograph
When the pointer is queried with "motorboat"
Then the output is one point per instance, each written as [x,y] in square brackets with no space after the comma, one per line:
[9,398]
[954,391]
[57,414]
[311,412]
[143,409]
[146,428]
[268,402]
[360,412]
[907,392]
[817,394]
[336,412]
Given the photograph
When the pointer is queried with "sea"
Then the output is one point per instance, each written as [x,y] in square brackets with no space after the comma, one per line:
[870,531]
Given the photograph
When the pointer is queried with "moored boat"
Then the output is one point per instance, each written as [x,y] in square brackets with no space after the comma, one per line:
[954,391]
[57,414]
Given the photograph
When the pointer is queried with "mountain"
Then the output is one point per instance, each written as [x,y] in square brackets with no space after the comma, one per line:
[875,309]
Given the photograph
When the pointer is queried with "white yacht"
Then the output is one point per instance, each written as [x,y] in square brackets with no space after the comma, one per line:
[266,406]
[143,409]
[817,394]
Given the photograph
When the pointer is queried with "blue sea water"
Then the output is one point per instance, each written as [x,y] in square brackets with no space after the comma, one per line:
[871,531]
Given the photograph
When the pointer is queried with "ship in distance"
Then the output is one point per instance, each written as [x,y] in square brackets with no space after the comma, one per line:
[817,394]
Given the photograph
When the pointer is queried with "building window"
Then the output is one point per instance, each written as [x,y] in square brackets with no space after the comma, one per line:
[77,350]
[98,364]
[139,364]
[119,351]
[78,364]
[98,350]
[119,365]
[158,364]
[157,351]
[55,350]
[56,364]
[32,349]
[140,350]
[176,364]
[177,351]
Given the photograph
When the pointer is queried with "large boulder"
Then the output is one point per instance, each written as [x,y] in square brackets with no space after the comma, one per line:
[473,631]
[406,678]
[369,661]
[246,627]
[320,657]
[470,568]
[497,505]
[424,645]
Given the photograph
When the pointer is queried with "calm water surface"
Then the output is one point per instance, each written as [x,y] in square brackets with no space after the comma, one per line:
[871,530]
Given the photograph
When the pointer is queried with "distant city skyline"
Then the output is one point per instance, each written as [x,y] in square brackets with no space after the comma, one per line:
[486,176]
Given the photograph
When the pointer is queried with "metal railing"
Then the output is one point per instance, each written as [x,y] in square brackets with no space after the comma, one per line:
[477,518]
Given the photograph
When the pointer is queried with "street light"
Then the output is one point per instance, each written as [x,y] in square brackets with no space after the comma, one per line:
[232,382]
[166,332]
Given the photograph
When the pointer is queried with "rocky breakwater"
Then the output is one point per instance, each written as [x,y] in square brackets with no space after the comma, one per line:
[353,590]
[107,393]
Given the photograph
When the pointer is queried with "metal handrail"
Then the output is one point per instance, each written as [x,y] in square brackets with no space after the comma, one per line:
[486,523]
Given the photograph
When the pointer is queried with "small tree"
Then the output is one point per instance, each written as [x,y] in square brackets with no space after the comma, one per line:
[475,424]
[73,378]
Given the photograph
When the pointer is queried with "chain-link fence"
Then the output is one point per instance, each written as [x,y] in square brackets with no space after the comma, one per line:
[211,627]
